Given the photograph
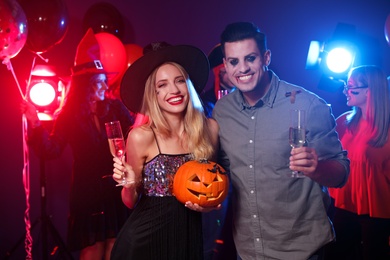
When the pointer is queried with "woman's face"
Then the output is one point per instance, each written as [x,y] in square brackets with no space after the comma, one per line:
[99,84]
[171,89]
[356,93]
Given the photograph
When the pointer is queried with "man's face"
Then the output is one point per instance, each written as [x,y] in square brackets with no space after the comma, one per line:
[244,64]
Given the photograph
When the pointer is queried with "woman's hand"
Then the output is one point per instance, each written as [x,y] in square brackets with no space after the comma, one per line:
[30,112]
[196,207]
[123,171]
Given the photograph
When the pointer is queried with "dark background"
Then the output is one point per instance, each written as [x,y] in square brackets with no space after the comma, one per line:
[289,26]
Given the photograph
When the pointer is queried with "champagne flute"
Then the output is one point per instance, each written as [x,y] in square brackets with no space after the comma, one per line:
[297,133]
[116,142]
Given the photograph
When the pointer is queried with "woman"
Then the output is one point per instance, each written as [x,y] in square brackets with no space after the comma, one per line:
[96,210]
[362,213]
[174,132]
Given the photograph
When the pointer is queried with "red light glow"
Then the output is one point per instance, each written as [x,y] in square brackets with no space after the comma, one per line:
[42,94]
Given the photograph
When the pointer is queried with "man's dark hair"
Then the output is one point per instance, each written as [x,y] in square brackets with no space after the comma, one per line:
[241,31]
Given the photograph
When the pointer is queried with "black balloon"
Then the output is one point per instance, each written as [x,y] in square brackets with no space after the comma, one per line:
[48,22]
[104,17]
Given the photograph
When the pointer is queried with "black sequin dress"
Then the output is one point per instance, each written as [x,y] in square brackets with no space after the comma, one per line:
[160,227]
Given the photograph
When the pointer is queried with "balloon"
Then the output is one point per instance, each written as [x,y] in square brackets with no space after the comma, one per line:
[133,52]
[13,29]
[47,23]
[387,29]
[112,55]
[104,17]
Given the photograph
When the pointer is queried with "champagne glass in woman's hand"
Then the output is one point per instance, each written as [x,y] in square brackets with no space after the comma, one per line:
[116,143]
[297,133]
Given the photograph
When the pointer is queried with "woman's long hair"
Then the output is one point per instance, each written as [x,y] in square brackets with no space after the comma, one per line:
[195,122]
[378,103]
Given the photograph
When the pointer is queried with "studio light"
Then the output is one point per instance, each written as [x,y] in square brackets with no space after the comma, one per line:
[338,59]
[46,91]
[334,57]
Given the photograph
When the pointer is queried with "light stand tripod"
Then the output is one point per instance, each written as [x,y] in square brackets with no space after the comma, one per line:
[46,225]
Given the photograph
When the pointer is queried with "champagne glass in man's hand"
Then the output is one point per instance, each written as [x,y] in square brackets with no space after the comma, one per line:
[297,133]
[116,143]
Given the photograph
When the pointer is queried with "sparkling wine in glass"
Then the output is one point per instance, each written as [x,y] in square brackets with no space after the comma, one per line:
[297,137]
[116,142]
[297,133]
[117,147]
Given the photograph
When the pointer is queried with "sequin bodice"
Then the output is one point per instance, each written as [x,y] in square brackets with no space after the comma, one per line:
[159,173]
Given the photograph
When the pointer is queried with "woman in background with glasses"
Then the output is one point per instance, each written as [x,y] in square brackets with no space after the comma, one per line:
[362,207]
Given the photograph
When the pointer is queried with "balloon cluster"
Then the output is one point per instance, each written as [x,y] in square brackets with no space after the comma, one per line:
[38,25]
[41,24]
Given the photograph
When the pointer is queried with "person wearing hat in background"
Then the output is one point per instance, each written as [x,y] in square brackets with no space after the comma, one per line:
[96,210]
[162,85]
[222,84]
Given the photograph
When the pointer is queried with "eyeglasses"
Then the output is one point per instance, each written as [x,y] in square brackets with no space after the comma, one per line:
[346,88]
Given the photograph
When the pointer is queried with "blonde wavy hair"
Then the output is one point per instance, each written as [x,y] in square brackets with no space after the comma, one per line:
[195,122]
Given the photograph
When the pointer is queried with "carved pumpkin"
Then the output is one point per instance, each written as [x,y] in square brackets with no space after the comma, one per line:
[203,182]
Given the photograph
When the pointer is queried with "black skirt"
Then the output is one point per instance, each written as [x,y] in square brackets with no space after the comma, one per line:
[160,228]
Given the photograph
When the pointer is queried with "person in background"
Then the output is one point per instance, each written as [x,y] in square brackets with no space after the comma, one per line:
[275,216]
[96,210]
[222,85]
[362,208]
[162,86]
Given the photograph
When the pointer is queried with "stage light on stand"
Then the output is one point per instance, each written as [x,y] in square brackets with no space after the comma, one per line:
[337,59]
[46,91]
[334,58]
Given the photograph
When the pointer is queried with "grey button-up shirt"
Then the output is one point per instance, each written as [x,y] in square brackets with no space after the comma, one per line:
[276,216]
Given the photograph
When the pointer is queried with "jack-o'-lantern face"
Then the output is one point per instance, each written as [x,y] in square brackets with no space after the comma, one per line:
[201,182]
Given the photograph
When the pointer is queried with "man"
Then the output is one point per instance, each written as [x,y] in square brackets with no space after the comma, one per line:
[275,216]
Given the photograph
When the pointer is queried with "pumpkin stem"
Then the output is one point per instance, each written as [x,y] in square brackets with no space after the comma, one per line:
[203,160]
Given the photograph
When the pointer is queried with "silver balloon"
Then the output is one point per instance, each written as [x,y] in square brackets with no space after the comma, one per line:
[13,29]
